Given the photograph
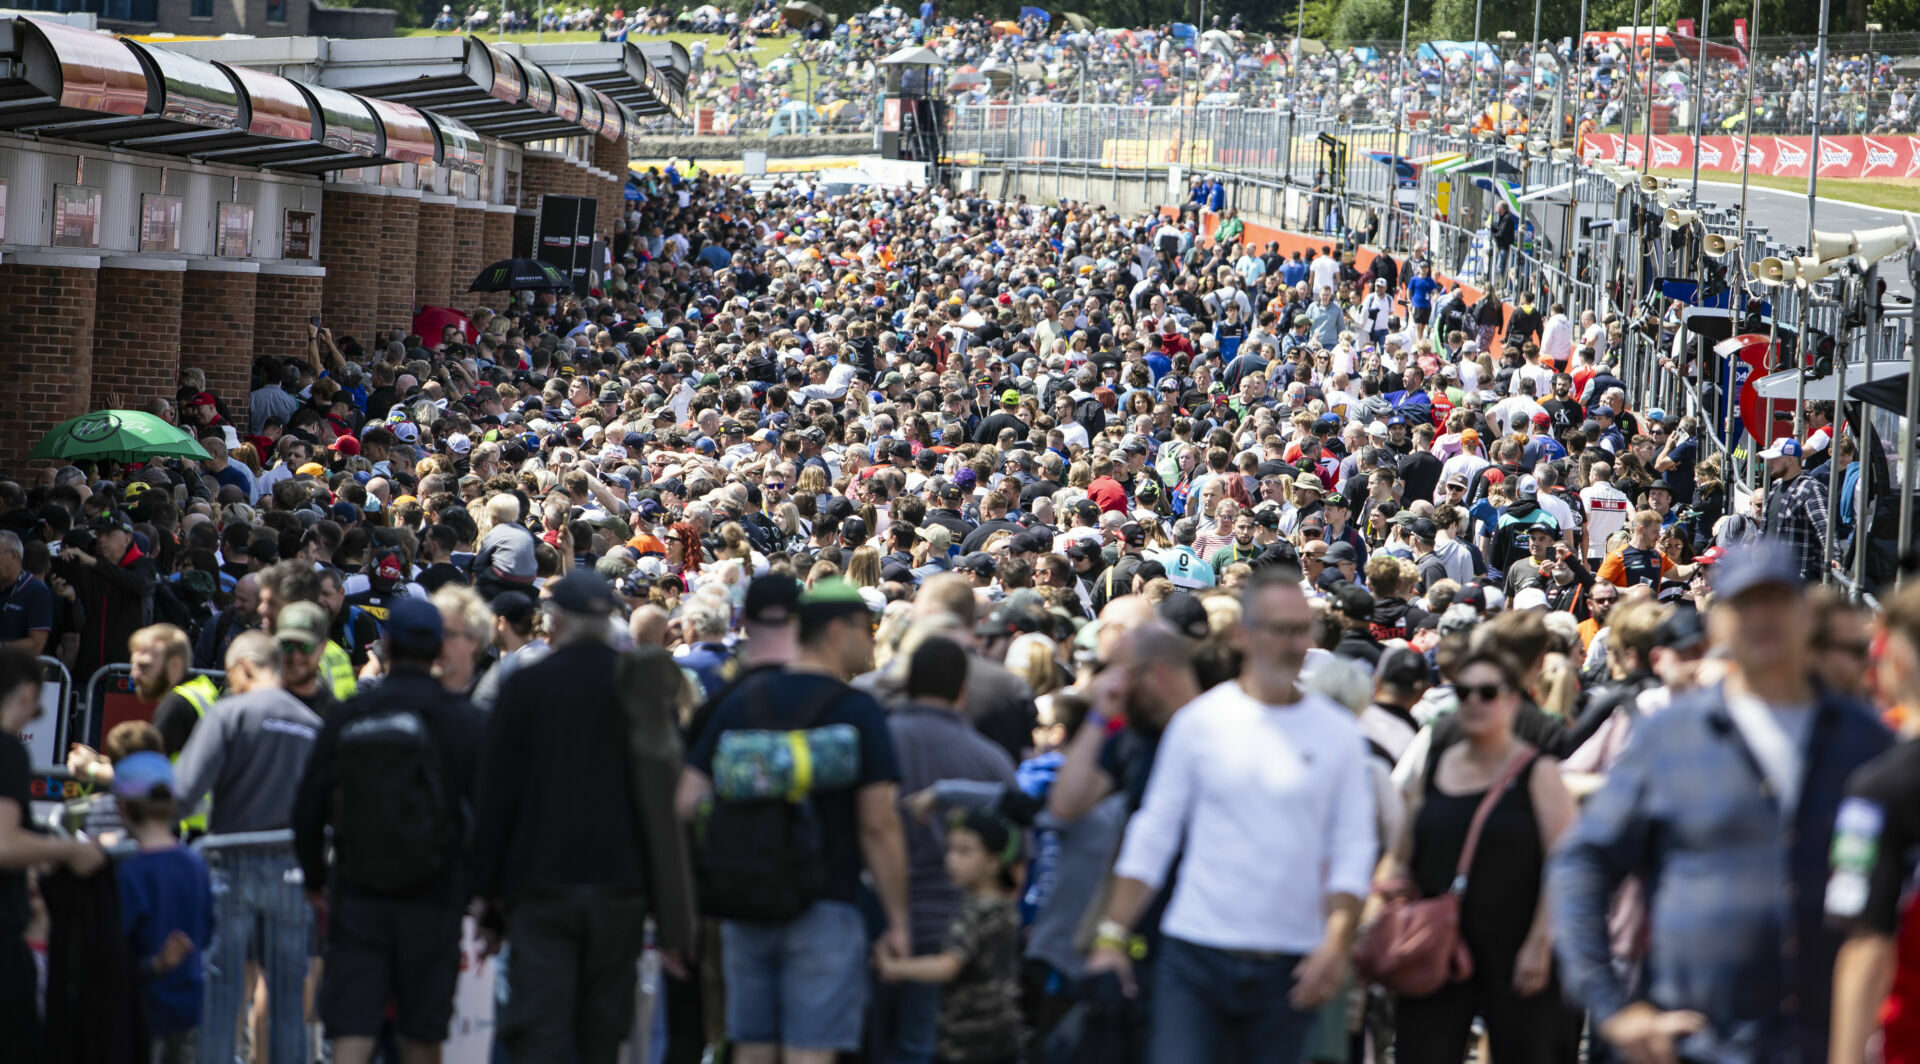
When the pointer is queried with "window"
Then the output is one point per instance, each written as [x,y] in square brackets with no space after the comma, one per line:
[201,9]
[276,10]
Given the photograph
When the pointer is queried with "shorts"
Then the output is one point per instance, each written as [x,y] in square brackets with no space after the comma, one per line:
[801,984]
[380,949]
[1422,315]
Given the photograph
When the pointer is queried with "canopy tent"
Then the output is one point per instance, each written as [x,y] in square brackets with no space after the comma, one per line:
[914,55]
[802,13]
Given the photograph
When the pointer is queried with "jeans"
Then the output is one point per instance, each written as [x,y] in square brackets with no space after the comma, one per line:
[256,892]
[912,1016]
[1211,1004]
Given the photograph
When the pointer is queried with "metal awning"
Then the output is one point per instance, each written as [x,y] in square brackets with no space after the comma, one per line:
[51,74]
[619,70]
[346,134]
[1543,193]
[273,114]
[465,78]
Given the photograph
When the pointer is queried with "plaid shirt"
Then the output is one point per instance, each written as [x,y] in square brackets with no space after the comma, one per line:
[1736,928]
[1797,514]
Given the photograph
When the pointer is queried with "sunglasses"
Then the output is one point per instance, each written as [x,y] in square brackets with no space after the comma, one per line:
[672,539]
[777,485]
[299,645]
[1484,692]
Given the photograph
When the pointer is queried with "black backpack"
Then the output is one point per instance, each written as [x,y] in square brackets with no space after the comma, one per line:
[762,861]
[394,823]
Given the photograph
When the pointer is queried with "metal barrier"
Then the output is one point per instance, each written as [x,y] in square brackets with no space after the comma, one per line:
[111,681]
[258,893]
[46,734]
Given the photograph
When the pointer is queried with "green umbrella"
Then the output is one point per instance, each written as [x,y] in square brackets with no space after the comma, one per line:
[125,435]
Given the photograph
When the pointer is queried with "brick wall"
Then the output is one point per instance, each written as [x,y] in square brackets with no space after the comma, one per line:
[217,332]
[46,314]
[136,335]
[496,244]
[433,272]
[399,255]
[283,301]
[610,156]
[350,247]
[466,245]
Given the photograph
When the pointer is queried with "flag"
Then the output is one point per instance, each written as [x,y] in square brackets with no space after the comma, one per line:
[1446,164]
[1511,193]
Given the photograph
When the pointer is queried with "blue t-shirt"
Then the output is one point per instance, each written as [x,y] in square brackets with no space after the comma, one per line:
[1420,291]
[25,608]
[163,891]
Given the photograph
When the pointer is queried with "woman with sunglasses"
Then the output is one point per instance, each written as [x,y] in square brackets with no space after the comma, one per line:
[1503,916]
[683,553]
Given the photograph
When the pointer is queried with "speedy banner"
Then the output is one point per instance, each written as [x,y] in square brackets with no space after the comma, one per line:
[1877,156]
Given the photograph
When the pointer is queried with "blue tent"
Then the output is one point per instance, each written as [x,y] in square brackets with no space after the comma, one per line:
[1035,12]
[1366,55]
[1480,51]
[1184,32]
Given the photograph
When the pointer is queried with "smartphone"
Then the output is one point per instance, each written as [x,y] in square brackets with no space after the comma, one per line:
[315,321]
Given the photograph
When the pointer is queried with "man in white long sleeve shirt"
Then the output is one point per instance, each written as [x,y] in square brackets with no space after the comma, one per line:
[1263,788]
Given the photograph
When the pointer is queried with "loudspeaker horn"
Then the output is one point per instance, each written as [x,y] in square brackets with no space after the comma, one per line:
[1563,155]
[1774,270]
[1516,143]
[1679,219]
[1716,245]
[1830,246]
[1538,147]
[1872,245]
[1806,270]
[1652,184]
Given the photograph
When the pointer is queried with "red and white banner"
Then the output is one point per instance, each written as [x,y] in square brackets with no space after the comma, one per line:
[1859,157]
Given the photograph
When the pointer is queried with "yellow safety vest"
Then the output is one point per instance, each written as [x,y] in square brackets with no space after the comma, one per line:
[337,668]
[201,693]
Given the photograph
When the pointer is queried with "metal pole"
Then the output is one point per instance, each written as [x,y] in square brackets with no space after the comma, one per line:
[1834,472]
[1863,444]
[1533,84]
[1646,144]
[1626,112]
[1699,114]
[1813,206]
[1906,431]
[1473,58]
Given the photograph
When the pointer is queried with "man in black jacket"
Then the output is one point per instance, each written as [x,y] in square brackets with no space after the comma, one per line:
[390,941]
[558,845]
[114,580]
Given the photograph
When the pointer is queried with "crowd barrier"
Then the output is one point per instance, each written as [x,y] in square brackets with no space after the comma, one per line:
[110,699]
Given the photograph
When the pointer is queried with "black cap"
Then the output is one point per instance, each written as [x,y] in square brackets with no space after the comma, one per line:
[854,529]
[1133,534]
[1354,601]
[1681,630]
[414,628]
[772,599]
[1341,551]
[1186,614]
[897,572]
[1402,668]
[583,591]
[1423,528]
[516,606]
[1085,550]
[978,562]
[109,521]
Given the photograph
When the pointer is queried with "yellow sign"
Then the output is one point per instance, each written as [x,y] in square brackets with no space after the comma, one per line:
[1442,194]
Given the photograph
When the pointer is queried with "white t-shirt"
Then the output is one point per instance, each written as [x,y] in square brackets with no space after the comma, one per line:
[1325,273]
[1607,512]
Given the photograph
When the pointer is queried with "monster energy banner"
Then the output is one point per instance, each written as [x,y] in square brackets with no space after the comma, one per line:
[564,237]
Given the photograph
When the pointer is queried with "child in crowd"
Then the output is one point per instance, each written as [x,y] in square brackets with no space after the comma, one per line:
[166,906]
[980,964]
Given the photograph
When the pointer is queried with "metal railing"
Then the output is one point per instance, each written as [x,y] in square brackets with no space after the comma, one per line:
[1630,268]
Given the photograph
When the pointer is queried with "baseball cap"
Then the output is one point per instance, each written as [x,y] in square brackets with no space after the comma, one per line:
[1010,397]
[1402,668]
[1085,550]
[1423,528]
[1186,614]
[1530,598]
[1786,447]
[415,625]
[772,599]
[978,562]
[1340,551]
[516,606]
[1133,534]
[1353,600]
[1529,488]
[1681,630]
[302,621]
[583,591]
[1745,568]
[1336,499]
[832,597]
[141,774]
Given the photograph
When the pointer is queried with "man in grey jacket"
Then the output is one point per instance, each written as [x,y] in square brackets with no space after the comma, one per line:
[248,754]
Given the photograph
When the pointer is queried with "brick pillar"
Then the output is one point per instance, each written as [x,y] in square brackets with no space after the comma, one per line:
[138,336]
[433,272]
[350,226]
[399,256]
[466,241]
[46,314]
[216,327]
[284,298]
[496,243]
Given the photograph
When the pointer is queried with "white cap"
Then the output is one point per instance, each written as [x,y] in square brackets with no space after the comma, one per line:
[1530,598]
[459,444]
[1377,428]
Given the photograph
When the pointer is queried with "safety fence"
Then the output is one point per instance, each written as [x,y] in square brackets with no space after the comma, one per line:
[1672,269]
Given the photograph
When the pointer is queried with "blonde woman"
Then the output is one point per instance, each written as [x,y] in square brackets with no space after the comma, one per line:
[468,621]
[863,569]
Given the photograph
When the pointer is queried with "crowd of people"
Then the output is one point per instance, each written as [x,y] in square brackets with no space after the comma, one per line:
[960,630]
[987,61]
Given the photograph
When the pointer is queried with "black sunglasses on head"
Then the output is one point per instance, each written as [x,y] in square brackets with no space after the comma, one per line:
[1485,692]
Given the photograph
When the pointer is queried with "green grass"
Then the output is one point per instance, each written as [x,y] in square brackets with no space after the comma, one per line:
[1886,193]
